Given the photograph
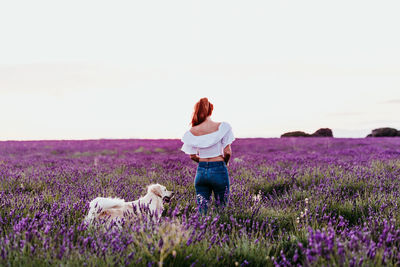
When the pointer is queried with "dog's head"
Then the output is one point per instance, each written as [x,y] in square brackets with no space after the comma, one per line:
[160,191]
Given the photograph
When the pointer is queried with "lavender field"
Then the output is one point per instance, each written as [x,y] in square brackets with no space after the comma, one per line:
[293,202]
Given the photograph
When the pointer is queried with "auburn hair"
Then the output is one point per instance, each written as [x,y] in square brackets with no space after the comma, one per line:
[202,109]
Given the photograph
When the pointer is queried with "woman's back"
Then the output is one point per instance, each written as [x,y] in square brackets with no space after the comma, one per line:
[208,141]
[205,127]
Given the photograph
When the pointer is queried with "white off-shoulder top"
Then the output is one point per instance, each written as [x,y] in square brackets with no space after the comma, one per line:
[208,145]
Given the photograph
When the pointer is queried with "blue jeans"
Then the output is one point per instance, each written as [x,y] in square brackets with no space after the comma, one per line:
[211,177]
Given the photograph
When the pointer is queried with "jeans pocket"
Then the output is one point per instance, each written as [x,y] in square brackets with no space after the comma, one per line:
[219,170]
[221,179]
[200,175]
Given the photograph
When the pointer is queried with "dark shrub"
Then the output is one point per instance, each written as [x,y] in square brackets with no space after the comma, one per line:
[384,132]
[323,132]
[295,134]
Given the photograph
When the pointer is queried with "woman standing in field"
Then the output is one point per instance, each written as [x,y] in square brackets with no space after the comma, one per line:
[208,143]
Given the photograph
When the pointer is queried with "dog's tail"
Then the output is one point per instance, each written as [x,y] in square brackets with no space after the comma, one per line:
[101,203]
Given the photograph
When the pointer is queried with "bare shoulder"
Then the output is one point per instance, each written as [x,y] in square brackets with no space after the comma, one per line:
[205,128]
[194,129]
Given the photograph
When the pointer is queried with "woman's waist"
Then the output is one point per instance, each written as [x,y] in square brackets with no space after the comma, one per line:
[211,164]
[212,159]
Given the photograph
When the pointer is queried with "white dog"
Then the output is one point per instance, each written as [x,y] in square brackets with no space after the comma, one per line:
[117,209]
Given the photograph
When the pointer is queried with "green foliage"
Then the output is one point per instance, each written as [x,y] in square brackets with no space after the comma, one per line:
[273,203]
[276,187]
[355,212]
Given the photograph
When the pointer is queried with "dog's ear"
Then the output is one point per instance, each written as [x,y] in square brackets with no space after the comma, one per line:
[156,190]
[149,188]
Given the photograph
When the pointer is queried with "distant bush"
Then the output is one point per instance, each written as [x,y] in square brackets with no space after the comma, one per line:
[384,132]
[295,134]
[323,132]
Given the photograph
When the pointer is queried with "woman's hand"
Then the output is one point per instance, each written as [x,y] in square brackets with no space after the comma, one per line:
[227,153]
[195,157]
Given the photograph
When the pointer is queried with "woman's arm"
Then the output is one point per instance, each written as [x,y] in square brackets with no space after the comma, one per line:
[227,153]
[195,157]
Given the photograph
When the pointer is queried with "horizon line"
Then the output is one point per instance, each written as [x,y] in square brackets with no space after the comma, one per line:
[117,139]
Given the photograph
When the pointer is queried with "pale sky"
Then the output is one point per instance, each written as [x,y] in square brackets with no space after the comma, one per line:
[134,69]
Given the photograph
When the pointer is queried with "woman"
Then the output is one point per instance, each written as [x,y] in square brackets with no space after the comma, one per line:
[208,143]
